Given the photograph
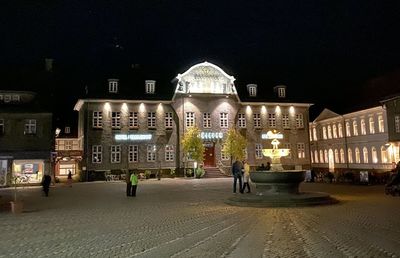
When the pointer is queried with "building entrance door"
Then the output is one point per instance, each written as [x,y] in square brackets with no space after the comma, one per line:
[209,157]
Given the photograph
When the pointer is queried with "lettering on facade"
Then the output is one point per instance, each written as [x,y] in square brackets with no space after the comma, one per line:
[271,135]
[211,135]
[133,137]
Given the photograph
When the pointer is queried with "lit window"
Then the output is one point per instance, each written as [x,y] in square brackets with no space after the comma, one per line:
[363,127]
[242,120]
[326,158]
[223,120]
[321,156]
[252,90]
[285,121]
[133,153]
[190,119]
[150,86]
[169,153]
[97,153]
[30,126]
[168,120]
[224,156]
[67,129]
[340,130]
[68,145]
[271,120]
[97,119]
[299,121]
[329,132]
[258,151]
[324,133]
[348,132]
[314,130]
[358,158]
[365,155]
[151,153]
[397,123]
[374,155]
[337,156]
[342,156]
[350,155]
[310,133]
[301,153]
[115,153]
[384,155]
[133,119]
[371,125]
[281,92]
[113,86]
[380,124]
[257,120]
[355,128]
[151,119]
[316,156]
[334,129]
[115,120]
[1,126]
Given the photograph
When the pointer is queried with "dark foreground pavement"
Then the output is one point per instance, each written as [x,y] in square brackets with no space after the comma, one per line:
[189,218]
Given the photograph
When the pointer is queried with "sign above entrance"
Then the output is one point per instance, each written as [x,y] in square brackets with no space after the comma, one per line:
[211,135]
[271,135]
[133,137]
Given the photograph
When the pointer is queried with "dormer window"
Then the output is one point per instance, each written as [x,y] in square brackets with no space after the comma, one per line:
[150,86]
[252,89]
[281,91]
[67,129]
[113,85]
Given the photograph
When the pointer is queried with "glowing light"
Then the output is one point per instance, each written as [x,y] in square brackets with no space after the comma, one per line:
[124,107]
[278,109]
[271,135]
[263,110]
[248,109]
[142,107]
[211,135]
[107,106]
[291,110]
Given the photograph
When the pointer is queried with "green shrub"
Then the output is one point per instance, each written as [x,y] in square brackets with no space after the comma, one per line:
[147,174]
[189,172]
[172,172]
[200,172]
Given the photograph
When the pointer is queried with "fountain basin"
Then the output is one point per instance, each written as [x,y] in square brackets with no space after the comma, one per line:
[277,182]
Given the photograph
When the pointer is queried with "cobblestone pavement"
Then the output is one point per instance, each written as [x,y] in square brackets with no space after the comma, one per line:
[188,218]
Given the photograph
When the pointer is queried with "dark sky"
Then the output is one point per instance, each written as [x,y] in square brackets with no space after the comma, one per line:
[325,50]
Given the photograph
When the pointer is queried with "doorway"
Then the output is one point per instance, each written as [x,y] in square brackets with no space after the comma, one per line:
[209,157]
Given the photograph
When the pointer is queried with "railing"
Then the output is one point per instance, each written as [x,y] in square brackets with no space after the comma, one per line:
[226,170]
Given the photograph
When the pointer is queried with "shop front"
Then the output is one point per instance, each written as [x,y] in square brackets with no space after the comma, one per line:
[28,171]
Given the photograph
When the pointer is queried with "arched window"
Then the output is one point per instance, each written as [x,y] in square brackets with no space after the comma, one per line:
[334,131]
[329,132]
[348,133]
[365,155]
[324,132]
[381,126]
[355,128]
[314,130]
[321,156]
[341,156]
[340,129]
[384,156]
[326,156]
[374,155]
[337,156]
[371,125]
[358,158]
[350,155]
[363,129]
[316,156]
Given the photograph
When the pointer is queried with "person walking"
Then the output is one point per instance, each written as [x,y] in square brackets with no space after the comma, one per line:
[69,178]
[46,184]
[134,183]
[246,176]
[128,184]
[237,175]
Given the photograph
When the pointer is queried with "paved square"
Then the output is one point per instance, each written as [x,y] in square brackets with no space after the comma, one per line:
[188,218]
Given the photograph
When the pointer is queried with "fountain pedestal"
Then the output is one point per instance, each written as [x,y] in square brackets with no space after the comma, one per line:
[273,183]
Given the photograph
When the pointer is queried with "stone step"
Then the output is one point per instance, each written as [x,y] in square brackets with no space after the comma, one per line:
[213,172]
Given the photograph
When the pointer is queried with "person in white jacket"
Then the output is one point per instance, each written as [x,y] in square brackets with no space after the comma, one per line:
[246,176]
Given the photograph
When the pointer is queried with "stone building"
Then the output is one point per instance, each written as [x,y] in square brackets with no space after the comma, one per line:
[127,129]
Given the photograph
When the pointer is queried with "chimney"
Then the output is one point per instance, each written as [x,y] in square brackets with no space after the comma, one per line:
[49,64]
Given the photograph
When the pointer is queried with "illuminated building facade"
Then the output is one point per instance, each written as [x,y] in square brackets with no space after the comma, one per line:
[143,132]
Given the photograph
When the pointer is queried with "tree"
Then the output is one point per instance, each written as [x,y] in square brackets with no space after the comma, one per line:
[234,144]
[193,145]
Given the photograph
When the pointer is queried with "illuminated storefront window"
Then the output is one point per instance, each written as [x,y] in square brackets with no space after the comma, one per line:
[28,171]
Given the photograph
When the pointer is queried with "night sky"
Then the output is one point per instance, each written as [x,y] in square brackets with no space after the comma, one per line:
[334,53]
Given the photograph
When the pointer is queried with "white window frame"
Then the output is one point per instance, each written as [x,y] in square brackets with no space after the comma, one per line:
[252,91]
[329,132]
[285,121]
[326,157]
[342,157]
[349,155]
[151,119]
[150,86]
[68,145]
[397,123]
[337,160]
[321,156]
[257,120]
[358,155]
[384,155]
[381,125]
[223,120]
[168,120]
[374,155]
[151,153]
[133,153]
[340,130]
[67,129]
[348,129]
[206,120]
[371,125]
[365,155]
[301,150]
[97,120]
[133,120]
[115,153]
[355,128]
[281,92]
[363,127]
[271,120]
[324,133]
[169,152]
[299,120]
[242,120]
[116,119]
[113,86]
[258,151]
[334,130]
[314,130]
[316,156]
[190,119]
[30,126]
[97,154]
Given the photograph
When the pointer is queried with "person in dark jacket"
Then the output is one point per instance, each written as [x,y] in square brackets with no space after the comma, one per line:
[128,184]
[237,167]
[46,184]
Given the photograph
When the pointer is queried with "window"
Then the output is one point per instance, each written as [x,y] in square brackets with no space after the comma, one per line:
[365,155]
[97,155]
[397,123]
[314,130]
[371,125]
[97,119]
[68,145]
[1,126]
[289,147]
[355,128]
[329,132]
[133,119]
[258,151]
[115,120]
[242,120]
[115,153]
[334,129]
[285,122]
[316,156]
[223,120]
[340,130]
[224,156]
[381,126]
[190,119]
[67,129]
[169,153]
[324,133]
[348,133]
[133,153]
[151,119]
[326,158]
[350,155]
[252,90]
[168,120]
[113,86]
[206,120]
[384,156]
[363,128]
[299,121]
[374,155]
[342,156]
[337,156]
[151,153]
[301,153]
[271,120]
[358,158]
[310,133]
[30,126]
[150,86]
[257,120]
[321,156]
[281,92]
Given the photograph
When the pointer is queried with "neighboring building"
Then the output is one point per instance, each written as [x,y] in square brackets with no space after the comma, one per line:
[125,129]
[26,140]
[392,107]
[352,142]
